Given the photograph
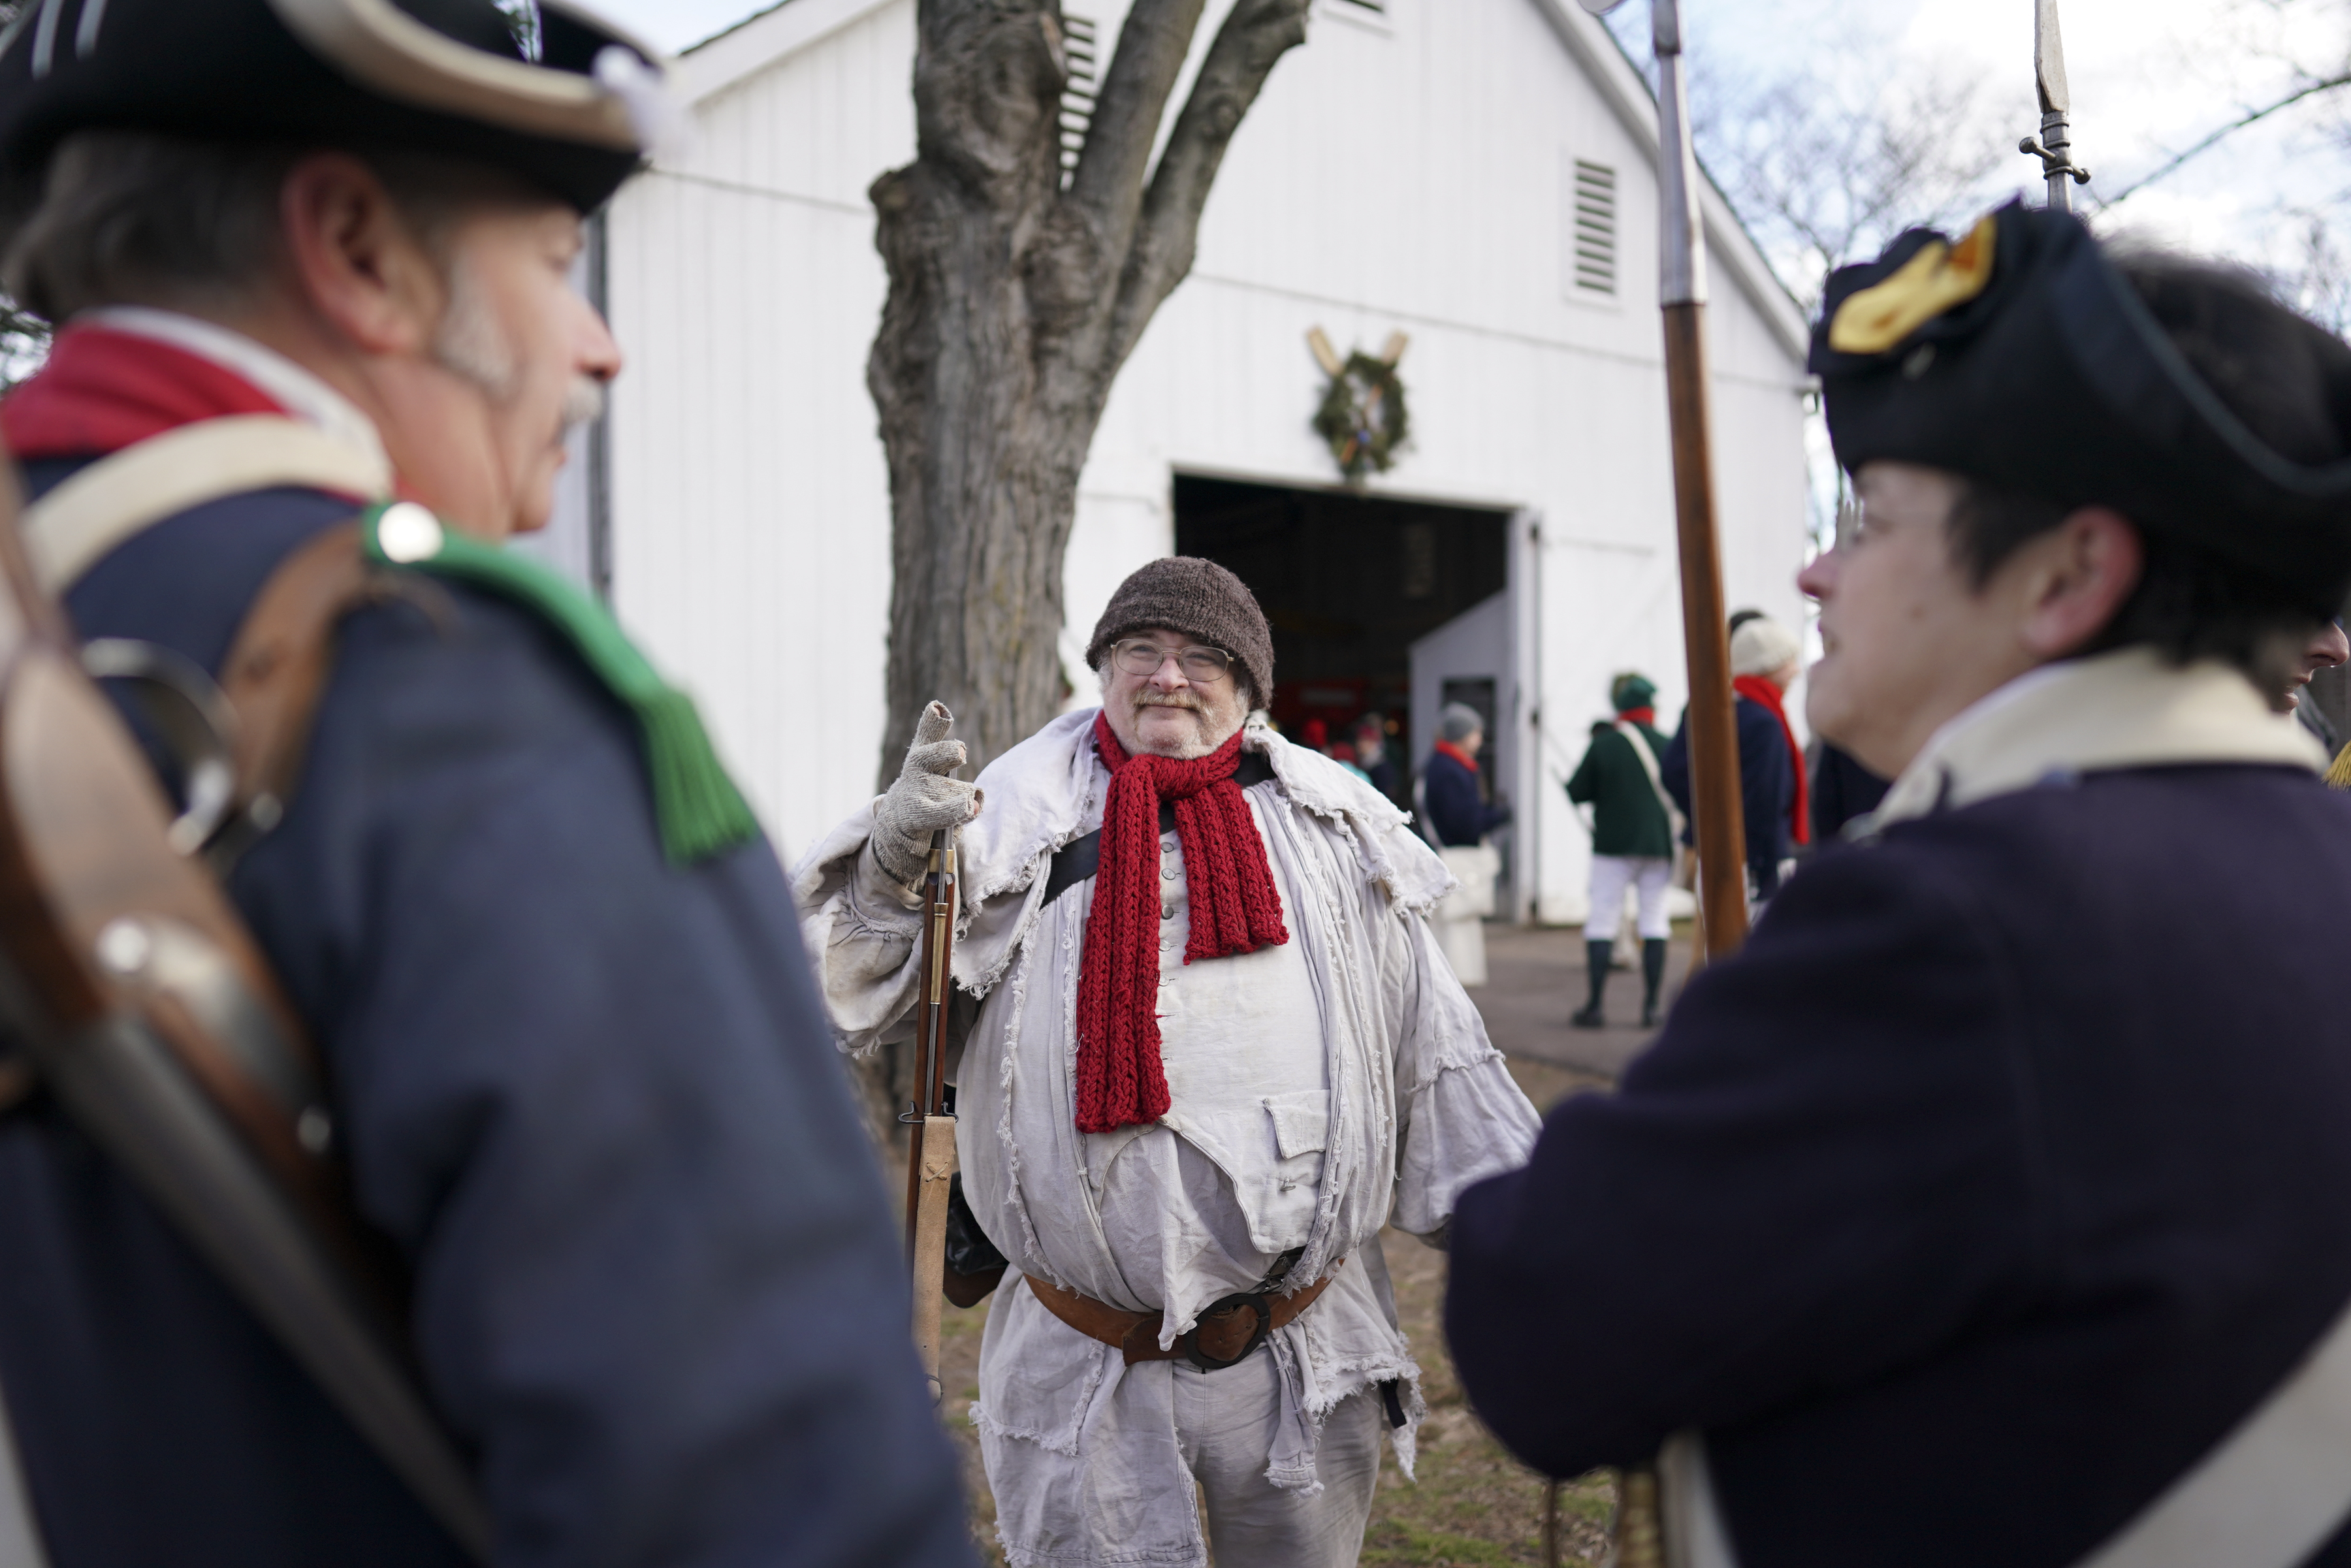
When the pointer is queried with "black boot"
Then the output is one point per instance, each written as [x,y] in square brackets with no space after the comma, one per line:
[1652,978]
[1597,955]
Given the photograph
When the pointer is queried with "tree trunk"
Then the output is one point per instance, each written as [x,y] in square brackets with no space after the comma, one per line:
[1013,302]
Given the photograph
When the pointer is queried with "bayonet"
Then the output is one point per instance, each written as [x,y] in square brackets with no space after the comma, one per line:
[2054,146]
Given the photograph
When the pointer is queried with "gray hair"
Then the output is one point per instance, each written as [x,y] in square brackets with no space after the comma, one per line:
[131,217]
[1459,720]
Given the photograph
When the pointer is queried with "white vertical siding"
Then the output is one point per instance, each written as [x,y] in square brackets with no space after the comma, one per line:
[751,514]
[1399,173]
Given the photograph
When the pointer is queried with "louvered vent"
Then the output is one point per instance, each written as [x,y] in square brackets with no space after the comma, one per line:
[1078,97]
[1592,243]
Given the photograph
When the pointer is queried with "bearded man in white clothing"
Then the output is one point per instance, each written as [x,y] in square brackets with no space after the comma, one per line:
[1216,1050]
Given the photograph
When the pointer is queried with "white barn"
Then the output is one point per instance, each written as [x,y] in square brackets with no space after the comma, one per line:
[1477,175]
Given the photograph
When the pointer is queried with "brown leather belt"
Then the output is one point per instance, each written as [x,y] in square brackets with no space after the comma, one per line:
[1225,1335]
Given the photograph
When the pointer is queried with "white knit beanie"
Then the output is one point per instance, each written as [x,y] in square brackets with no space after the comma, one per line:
[1761,646]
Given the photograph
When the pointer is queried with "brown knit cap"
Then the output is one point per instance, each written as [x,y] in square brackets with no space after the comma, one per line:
[1202,601]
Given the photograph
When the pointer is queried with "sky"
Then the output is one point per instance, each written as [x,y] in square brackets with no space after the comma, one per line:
[2149,77]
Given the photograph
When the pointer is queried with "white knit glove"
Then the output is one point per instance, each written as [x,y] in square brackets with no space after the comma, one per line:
[925,799]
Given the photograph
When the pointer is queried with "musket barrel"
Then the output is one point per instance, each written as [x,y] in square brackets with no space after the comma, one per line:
[1713,729]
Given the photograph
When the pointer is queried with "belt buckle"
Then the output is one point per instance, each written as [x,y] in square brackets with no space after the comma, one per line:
[1253,1300]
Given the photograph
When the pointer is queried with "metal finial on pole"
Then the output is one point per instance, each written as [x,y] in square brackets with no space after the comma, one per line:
[2054,147]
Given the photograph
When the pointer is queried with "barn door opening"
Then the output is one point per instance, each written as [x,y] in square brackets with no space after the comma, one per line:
[1351,584]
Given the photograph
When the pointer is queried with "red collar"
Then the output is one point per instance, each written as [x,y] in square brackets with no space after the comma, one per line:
[1646,717]
[104,389]
[1458,755]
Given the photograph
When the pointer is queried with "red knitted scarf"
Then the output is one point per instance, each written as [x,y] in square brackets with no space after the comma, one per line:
[1234,909]
[1766,696]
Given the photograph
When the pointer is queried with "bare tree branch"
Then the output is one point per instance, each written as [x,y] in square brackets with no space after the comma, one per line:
[1253,39]
[1152,43]
[1822,174]
[2310,89]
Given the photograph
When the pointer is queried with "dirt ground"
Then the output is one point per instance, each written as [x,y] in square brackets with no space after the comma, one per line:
[1472,1504]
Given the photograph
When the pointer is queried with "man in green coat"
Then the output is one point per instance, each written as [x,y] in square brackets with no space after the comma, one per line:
[1632,831]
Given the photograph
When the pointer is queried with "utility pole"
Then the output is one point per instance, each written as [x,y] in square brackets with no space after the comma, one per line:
[1713,729]
[2054,147]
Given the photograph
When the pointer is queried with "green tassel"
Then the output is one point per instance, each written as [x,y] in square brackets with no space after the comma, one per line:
[700,811]
[696,806]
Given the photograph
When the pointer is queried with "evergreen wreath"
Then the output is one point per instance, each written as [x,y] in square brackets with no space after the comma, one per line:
[1362,418]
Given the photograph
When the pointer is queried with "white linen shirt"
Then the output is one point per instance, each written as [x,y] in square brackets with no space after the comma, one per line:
[1320,1089]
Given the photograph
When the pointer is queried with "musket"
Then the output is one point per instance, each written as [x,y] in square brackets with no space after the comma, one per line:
[2054,146]
[1722,829]
[931,1130]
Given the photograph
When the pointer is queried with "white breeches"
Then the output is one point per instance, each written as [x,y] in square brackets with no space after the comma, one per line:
[1224,1425]
[1118,1501]
[1611,875]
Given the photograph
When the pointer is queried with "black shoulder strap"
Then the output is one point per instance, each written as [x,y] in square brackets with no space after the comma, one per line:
[1079,859]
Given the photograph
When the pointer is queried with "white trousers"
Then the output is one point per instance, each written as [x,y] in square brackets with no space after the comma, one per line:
[1224,1426]
[1611,875]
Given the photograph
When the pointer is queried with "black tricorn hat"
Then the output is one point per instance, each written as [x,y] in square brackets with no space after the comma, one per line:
[428,76]
[2022,356]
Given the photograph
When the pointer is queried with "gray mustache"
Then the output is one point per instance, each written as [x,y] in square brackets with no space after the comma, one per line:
[584,404]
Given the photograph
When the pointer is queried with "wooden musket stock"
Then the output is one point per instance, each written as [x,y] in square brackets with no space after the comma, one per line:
[1722,828]
[931,1142]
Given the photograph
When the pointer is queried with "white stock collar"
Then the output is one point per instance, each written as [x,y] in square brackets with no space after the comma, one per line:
[300,392]
[2129,708]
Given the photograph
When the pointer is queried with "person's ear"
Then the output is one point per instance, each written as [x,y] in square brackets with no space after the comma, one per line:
[354,259]
[2073,580]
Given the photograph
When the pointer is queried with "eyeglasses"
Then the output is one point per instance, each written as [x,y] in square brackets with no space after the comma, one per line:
[1142,656]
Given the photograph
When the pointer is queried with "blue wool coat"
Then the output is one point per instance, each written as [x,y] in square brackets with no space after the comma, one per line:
[1456,811]
[2004,1169]
[589,1096]
[1766,781]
